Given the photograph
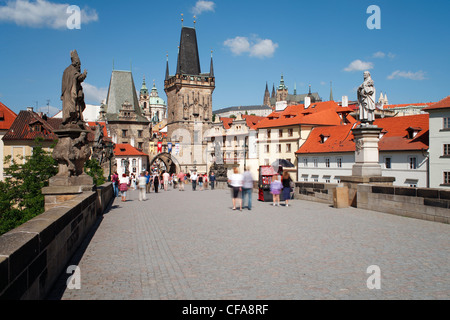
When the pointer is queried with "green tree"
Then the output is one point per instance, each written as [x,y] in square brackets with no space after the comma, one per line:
[21,198]
[93,168]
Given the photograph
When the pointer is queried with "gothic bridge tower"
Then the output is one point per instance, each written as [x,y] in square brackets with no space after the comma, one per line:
[189,93]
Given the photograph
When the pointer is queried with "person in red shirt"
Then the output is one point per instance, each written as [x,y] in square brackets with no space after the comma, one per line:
[181,177]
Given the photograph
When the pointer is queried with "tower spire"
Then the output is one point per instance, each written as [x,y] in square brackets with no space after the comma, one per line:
[331,91]
[211,69]
[167,66]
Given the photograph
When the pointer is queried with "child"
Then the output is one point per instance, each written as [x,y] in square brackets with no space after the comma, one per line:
[275,190]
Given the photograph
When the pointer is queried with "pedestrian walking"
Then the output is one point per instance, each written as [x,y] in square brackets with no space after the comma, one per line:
[148,184]
[166,178]
[235,182]
[115,182]
[181,178]
[124,182]
[275,190]
[194,178]
[200,181]
[205,181]
[156,182]
[212,180]
[142,186]
[247,188]
[174,180]
[287,187]
[133,181]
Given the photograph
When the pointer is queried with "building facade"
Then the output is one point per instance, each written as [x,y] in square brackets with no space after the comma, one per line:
[125,122]
[439,143]
[329,152]
[7,117]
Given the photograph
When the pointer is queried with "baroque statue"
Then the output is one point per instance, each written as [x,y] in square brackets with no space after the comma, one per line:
[366,100]
[72,95]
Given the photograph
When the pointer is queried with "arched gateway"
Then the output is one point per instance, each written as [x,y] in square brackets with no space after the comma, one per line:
[165,161]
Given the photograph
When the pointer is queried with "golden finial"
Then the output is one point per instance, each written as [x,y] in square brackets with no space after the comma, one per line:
[195,20]
[182,19]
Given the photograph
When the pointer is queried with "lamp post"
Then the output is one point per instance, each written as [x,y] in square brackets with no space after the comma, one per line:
[245,146]
[110,156]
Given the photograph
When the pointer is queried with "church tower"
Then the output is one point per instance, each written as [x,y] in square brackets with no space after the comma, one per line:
[267,96]
[282,92]
[189,93]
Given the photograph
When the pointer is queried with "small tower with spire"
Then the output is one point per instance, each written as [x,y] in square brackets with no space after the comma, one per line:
[267,96]
[144,98]
[331,91]
[282,92]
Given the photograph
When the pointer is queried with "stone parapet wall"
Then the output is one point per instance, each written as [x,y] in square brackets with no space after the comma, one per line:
[419,203]
[315,191]
[33,256]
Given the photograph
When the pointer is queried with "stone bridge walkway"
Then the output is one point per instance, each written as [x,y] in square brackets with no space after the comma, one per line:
[192,246]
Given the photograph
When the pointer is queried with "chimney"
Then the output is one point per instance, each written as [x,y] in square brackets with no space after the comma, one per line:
[344,101]
[30,109]
[307,102]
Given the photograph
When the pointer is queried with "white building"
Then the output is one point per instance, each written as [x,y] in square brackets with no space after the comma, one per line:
[260,111]
[329,152]
[137,160]
[90,114]
[439,143]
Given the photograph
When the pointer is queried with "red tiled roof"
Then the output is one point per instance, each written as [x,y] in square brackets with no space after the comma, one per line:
[7,117]
[319,113]
[93,126]
[443,104]
[21,129]
[392,106]
[126,149]
[226,122]
[251,121]
[340,138]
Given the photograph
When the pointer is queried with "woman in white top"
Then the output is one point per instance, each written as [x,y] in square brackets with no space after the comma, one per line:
[123,186]
[142,185]
[236,181]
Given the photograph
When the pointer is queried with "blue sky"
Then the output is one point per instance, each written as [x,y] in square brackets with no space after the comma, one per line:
[253,42]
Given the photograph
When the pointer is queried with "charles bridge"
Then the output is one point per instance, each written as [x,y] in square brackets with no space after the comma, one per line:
[193,246]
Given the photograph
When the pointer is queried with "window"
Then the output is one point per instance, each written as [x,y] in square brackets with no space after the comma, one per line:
[412,163]
[447,123]
[140,132]
[305,162]
[267,148]
[305,177]
[290,132]
[316,162]
[280,133]
[268,134]
[315,178]
[288,147]
[140,145]
[339,162]
[124,133]
[279,148]
[327,179]
[338,179]
[388,163]
[327,162]
[446,149]
[446,177]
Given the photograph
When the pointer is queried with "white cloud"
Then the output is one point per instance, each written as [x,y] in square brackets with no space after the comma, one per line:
[41,13]
[94,95]
[379,54]
[203,6]
[359,65]
[419,75]
[391,55]
[260,48]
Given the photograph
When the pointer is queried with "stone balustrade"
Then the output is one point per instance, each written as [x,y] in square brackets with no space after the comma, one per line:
[33,256]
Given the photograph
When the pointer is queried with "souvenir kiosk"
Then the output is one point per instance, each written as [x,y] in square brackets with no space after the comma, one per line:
[266,174]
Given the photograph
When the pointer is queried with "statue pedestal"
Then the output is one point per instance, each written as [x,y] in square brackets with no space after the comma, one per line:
[367,169]
[71,153]
[366,151]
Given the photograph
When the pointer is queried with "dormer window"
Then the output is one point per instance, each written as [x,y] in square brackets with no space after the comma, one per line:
[323,138]
[412,132]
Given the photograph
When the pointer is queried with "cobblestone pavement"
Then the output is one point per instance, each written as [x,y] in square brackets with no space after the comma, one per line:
[193,246]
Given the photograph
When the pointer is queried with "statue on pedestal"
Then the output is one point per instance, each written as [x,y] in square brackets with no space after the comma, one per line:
[72,95]
[72,150]
[366,100]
